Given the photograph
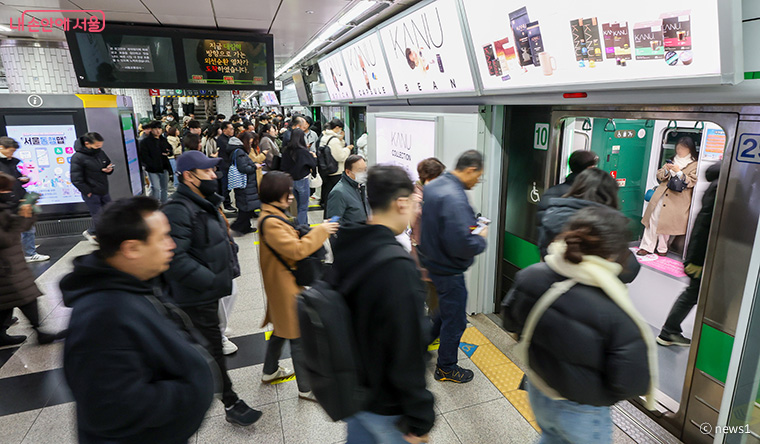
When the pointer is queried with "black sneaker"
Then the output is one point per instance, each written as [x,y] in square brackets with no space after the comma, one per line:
[241,414]
[47,338]
[676,339]
[457,374]
[6,339]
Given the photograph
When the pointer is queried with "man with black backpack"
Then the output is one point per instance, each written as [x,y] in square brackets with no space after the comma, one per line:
[331,157]
[204,264]
[386,316]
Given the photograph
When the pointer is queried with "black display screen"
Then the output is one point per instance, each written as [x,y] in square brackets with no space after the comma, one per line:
[161,57]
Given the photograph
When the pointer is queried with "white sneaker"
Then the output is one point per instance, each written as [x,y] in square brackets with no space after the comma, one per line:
[37,258]
[228,347]
[90,238]
[309,396]
[279,374]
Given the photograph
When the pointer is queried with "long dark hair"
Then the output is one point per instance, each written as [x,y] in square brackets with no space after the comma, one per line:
[688,142]
[264,131]
[595,231]
[595,185]
[250,141]
[297,141]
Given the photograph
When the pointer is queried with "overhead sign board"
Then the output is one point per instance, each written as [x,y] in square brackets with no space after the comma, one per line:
[335,77]
[365,66]
[545,43]
[426,51]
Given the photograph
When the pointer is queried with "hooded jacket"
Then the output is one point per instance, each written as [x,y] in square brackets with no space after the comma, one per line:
[247,199]
[17,285]
[695,254]
[448,246]
[389,326]
[558,212]
[556,191]
[136,375]
[348,200]
[154,154]
[87,169]
[338,149]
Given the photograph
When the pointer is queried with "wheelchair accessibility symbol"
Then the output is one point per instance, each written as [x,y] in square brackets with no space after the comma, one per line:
[534,196]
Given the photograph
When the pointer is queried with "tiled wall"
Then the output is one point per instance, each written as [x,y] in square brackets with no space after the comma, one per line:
[40,71]
[224,103]
[140,100]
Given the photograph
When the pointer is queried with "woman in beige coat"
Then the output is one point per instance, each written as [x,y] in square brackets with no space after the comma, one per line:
[276,193]
[668,211]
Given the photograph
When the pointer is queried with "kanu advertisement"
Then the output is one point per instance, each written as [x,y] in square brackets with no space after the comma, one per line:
[366,68]
[426,51]
[335,78]
[545,42]
[405,142]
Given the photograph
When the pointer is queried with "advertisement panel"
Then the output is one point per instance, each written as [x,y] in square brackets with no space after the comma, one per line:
[426,51]
[541,43]
[133,162]
[45,152]
[335,77]
[405,142]
[366,68]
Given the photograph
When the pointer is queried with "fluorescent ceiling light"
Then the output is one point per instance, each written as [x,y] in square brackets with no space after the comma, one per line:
[358,9]
[5,29]
[330,31]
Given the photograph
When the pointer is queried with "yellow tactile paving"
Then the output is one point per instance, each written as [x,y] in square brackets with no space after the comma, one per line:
[473,336]
[505,377]
[519,399]
[488,355]
[535,426]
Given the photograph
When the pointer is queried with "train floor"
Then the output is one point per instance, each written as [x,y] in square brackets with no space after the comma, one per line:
[37,407]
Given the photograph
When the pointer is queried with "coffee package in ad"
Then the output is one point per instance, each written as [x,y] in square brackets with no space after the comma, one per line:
[519,21]
[616,41]
[505,53]
[536,43]
[676,30]
[586,41]
[647,38]
[494,68]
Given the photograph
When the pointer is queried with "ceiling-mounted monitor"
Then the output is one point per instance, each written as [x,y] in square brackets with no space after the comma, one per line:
[161,57]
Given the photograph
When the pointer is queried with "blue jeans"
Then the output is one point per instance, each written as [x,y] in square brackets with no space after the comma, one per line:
[567,422]
[95,204]
[450,320]
[173,163]
[371,428]
[301,193]
[159,186]
[27,242]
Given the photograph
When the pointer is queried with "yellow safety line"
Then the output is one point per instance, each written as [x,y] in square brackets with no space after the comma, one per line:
[501,371]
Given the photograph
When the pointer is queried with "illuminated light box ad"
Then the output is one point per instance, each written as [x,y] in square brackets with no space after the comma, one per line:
[133,162]
[45,152]
[270,98]
[426,51]
[335,78]
[366,68]
[226,62]
[404,142]
[520,44]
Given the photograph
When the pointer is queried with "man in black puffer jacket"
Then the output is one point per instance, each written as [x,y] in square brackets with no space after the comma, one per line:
[201,272]
[90,168]
[671,333]
[134,367]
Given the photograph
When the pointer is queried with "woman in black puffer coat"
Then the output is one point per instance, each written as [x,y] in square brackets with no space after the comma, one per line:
[246,199]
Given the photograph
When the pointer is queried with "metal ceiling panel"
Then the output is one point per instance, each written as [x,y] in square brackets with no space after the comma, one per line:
[247,9]
[185,21]
[36,4]
[181,8]
[294,11]
[111,5]
[243,23]
[129,17]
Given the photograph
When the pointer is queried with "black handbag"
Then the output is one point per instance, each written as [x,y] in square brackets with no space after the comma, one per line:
[308,269]
[676,184]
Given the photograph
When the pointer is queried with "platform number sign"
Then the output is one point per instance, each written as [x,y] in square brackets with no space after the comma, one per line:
[541,136]
[748,150]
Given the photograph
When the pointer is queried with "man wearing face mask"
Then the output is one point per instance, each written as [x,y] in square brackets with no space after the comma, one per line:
[201,272]
[348,200]
[447,248]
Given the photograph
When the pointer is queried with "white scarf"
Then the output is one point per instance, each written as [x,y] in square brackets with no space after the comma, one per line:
[682,162]
[597,272]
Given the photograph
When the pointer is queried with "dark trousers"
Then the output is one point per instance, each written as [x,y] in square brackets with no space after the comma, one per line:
[328,183]
[681,308]
[30,310]
[223,182]
[206,320]
[272,360]
[450,320]
[95,204]
[243,222]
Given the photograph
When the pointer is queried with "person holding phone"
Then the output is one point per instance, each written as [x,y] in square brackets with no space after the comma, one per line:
[90,168]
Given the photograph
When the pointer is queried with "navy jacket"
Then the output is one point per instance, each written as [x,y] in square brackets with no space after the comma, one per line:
[135,369]
[87,170]
[448,246]
[246,199]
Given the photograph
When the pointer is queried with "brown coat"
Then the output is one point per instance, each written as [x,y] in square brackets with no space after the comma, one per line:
[17,285]
[416,225]
[258,159]
[674,216]
[279,284]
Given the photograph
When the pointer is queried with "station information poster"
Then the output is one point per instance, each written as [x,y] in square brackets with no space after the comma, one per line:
[226,62]
[335,77]
[366,68]
[270,98]
[133,163]
[45,152]
[404,142]
[426,51]
[519,44]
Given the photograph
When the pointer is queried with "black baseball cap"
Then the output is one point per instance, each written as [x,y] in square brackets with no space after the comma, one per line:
[195,160]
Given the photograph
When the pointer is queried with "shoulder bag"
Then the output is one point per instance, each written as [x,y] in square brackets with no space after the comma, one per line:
[236,178]
[308,269]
